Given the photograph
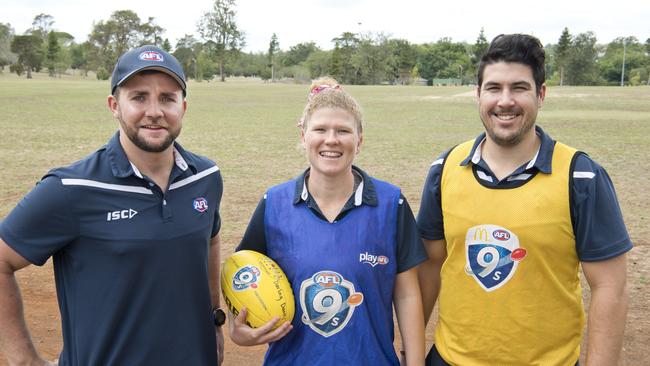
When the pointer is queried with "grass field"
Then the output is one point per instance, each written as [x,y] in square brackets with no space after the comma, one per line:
[248,128]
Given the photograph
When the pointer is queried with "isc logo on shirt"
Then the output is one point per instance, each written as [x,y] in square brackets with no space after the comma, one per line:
[121,214]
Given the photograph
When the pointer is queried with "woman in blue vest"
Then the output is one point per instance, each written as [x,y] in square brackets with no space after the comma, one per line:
[348,244]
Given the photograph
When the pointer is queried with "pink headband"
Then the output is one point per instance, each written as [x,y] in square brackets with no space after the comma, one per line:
[315,90]
[319,88]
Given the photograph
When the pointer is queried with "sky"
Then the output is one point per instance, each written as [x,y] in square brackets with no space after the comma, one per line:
[295,21]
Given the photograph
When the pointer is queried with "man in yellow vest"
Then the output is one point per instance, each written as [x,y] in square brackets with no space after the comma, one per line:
[508,218]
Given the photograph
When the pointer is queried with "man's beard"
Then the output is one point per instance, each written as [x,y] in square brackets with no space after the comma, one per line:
[132,134]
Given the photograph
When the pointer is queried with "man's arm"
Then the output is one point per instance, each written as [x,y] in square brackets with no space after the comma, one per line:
[607,310]
[429,274]
[214,266]
[14,336]
[215,263]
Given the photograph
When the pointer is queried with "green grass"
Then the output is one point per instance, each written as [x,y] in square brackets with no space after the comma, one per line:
[248,128]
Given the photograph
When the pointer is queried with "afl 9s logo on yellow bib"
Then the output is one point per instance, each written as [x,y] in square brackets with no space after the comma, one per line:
[492,255]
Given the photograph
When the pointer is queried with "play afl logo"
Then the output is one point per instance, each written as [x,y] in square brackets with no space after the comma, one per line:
[200,204]
[372,259]
[151,56]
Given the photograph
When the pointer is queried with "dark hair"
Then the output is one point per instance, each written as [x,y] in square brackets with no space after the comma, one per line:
[519,48]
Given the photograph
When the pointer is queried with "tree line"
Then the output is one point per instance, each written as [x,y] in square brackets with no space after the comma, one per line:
[355,58]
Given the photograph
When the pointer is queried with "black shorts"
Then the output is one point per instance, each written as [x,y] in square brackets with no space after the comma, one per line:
[434,359]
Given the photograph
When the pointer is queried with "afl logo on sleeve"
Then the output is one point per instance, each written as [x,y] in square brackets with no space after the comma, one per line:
[328,302]
[492,255]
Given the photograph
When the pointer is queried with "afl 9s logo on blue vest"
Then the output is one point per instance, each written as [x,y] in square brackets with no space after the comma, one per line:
[492,255]
[328,302]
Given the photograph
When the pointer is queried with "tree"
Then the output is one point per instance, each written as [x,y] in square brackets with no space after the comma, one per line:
[647,52]
[250,64]
[335,67]
[53,50]
[274,47]
[58,52]
[186,52]
[151,32]
[92,59]
[562,52]
[299,53]
[478,50]
[219,26]
[125,27]
[30,53]
[318,63]
[78,60]
[372,59]
[121,32]
[611,62]
[6,35]
[443,60]
[345,46]
[404,58]
[41,26]
[204,55]
[581,66]
[166,45]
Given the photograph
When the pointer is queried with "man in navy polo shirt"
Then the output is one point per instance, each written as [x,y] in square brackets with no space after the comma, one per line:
[508,219]
[133,232]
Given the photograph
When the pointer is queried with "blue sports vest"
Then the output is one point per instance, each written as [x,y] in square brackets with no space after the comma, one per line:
[342,275]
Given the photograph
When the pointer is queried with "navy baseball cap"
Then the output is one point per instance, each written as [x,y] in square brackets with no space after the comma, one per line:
[146,58]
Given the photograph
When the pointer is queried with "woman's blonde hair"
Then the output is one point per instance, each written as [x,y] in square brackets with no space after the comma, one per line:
[326,92]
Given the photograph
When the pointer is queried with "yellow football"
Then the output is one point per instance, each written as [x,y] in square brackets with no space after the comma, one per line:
[252,280]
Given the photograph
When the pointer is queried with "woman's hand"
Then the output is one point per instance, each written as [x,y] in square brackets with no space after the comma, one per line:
[242,334]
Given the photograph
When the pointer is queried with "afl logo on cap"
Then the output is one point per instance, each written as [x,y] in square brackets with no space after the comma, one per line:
[151,56]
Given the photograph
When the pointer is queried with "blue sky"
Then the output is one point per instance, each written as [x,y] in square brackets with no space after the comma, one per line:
[295,21]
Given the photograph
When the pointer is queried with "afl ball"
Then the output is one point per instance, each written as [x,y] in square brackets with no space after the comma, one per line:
[252,280]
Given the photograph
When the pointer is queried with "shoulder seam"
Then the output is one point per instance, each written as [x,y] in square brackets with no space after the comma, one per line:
[194,178]
[102,185]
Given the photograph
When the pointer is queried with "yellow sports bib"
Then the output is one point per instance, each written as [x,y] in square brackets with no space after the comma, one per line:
[510,288]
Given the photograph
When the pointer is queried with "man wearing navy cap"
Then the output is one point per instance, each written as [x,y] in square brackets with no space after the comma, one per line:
[133,232]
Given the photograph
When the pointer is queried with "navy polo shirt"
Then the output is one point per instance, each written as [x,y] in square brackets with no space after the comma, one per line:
[130,261]
[595,213]
[410,250]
